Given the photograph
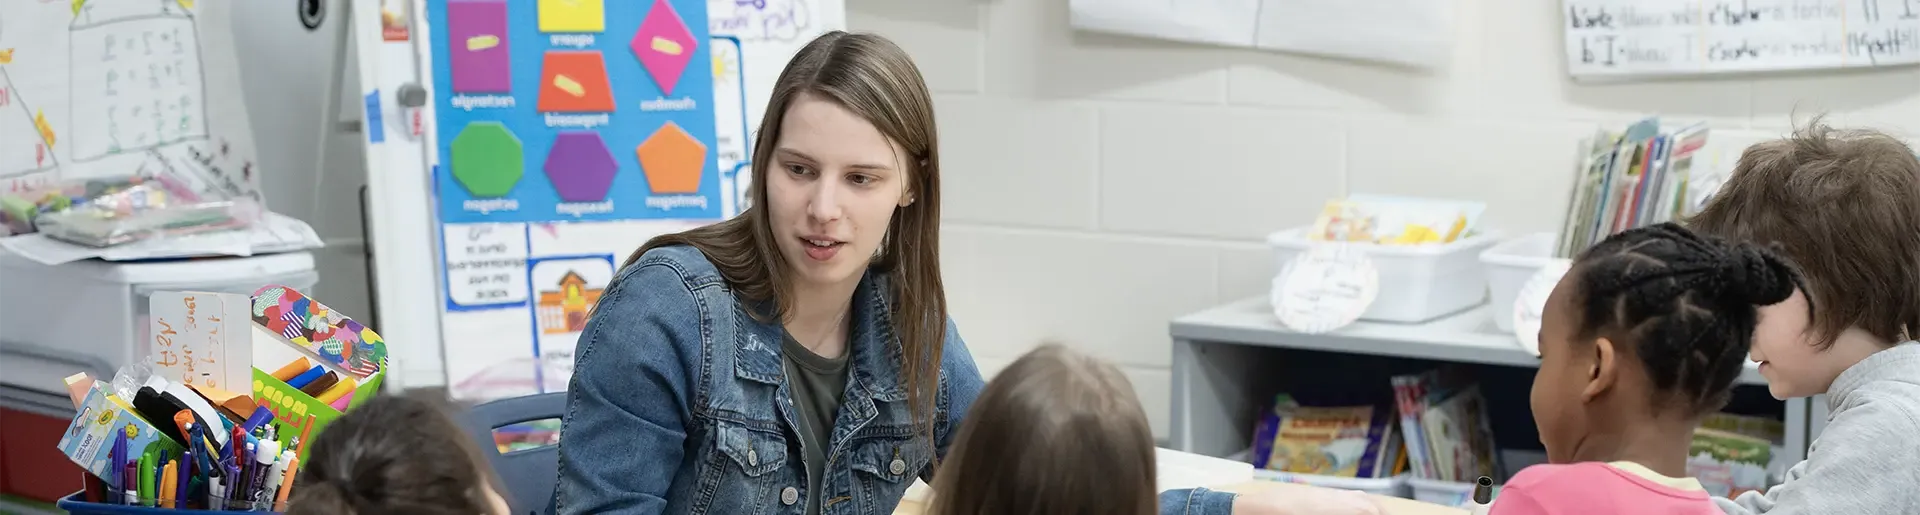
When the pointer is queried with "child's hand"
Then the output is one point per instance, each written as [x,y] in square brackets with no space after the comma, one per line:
[1306,500]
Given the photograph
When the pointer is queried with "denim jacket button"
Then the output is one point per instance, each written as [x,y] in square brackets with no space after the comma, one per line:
[753,458]
[789,496]
[897,467]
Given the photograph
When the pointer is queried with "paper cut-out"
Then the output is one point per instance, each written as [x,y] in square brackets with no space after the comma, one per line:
[572,16]
[664,45]
[580,166]
[477,43]
[487,159]
[573,81]
[673,160]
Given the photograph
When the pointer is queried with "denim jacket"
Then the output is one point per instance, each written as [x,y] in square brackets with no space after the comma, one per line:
[679,404]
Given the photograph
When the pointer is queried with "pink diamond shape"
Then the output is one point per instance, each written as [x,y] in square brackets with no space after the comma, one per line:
[664,45]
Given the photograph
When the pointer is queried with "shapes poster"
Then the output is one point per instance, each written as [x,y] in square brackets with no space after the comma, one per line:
[574,110]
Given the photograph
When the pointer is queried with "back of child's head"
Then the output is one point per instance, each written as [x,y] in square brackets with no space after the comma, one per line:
[393,455]
[1680,306]
[1056,433]
[1844,206]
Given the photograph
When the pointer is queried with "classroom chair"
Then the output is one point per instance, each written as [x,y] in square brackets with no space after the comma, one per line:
[528,475]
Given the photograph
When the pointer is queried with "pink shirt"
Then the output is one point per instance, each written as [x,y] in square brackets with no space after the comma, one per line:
[1600,489]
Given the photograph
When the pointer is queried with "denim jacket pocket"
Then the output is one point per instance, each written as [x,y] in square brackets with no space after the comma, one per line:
[885,467]
[757,452]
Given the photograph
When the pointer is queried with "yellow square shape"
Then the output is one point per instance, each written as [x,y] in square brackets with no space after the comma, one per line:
[572,16]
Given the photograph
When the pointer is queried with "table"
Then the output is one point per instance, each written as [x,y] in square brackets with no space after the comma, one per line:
[1175,469]
[1214,358]
[1393,505]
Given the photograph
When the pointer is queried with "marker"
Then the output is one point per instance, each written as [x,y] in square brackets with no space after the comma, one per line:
[308,377]
[289,371]
[276,476]
[1482,495]
[293,470]
[265,453]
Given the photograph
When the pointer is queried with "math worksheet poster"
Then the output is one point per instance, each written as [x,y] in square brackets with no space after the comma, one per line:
[101,89]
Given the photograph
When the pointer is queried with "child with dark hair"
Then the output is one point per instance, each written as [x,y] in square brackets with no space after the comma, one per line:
[1643,336]
[394,455]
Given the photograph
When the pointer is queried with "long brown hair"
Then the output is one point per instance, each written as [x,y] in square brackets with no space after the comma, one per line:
[1056,433]
[875,79]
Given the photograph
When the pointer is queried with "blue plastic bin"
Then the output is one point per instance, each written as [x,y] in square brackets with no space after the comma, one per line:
[76,504]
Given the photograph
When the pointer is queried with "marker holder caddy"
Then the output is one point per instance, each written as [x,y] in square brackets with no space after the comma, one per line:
[77,504]
[324,337]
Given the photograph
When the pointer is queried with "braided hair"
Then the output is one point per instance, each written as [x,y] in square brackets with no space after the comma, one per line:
[1686,303]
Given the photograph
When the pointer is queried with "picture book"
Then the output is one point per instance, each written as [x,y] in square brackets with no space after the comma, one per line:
[1634,178]
[1729,464]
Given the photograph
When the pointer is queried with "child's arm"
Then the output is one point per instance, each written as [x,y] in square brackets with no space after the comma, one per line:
[627,404]
[1864,463]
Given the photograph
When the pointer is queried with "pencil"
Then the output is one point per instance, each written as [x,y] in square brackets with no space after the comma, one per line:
[305,431]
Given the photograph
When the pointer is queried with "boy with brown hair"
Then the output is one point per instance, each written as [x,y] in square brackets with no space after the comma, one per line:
[1843,205]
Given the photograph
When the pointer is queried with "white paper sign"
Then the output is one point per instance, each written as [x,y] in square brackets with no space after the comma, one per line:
[1614,38]
[1416,33]
[202,339]
[1531,304]
[1325,288]
[486,264]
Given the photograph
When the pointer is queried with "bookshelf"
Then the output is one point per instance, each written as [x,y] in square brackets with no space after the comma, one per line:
[1222,369]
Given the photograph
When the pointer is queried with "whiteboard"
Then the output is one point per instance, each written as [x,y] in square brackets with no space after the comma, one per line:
[1627,38]
[108,87]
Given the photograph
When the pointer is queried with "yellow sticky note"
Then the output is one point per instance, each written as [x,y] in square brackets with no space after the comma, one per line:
[567,84]
[6,56]
[482,42]
[46,131]
[185,3]
[76,6]
[666,46]
[572,16]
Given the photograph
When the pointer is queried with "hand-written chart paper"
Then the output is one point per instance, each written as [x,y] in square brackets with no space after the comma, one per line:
[97,88]
[1619,38]
[201,339]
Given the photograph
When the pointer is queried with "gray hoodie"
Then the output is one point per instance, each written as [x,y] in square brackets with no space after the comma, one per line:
[1867,460]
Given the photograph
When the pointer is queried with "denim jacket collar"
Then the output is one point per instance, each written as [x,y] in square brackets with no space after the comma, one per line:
[875,357]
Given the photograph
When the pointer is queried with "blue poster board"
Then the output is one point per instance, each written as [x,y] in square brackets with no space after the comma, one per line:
[573,110]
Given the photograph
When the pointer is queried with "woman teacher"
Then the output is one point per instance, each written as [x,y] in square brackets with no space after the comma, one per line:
[796,358]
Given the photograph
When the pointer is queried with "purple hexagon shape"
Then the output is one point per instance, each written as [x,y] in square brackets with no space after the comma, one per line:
[580,167]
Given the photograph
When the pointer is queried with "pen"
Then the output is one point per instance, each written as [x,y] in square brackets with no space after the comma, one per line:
[169,481]
[145,479]
[159,475]
[1482,495]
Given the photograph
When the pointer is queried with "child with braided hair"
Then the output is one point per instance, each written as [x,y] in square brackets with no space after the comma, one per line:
[1643,336]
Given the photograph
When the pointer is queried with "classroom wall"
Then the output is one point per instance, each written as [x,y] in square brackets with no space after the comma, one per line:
[1099,186]
[285,71]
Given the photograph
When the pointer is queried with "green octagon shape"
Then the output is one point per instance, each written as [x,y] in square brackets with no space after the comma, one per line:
[487,159]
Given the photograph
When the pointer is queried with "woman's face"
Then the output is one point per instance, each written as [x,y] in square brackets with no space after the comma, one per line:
[832,187]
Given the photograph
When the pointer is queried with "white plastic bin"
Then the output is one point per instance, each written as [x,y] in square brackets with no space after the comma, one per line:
[1508,266]
[1417,283]
[1395,486]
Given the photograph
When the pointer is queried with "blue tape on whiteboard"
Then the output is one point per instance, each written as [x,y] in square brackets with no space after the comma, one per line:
[376,124]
